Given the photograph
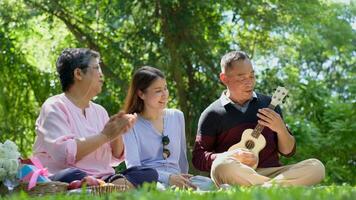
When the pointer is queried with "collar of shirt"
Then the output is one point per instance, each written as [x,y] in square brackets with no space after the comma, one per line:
[226,100]
[75,107]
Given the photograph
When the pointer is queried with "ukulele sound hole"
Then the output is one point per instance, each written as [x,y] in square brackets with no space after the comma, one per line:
[249,144]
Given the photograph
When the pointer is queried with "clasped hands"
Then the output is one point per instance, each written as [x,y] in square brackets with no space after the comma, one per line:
[119,124]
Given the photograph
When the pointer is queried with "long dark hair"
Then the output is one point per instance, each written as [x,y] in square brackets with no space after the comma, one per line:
[141,80]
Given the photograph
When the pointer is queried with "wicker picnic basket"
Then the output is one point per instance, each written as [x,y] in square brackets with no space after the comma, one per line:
[99,190]
[107,189]
[52,187]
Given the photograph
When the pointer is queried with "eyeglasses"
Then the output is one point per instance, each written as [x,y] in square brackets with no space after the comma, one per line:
[165,142]
[242,78]
[97,68]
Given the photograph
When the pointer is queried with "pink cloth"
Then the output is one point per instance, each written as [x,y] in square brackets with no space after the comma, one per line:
[31,178]
[59,124]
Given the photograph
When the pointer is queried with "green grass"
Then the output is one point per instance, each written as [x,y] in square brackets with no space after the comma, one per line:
[237,193]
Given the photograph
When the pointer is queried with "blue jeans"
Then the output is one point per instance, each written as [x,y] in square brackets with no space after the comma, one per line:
[68,175]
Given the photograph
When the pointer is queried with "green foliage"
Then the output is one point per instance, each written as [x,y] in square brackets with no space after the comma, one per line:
[306,46]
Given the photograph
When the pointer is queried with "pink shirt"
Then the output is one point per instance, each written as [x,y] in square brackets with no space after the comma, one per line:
[59,124]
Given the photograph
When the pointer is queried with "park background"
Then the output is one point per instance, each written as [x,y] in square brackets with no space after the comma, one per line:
[307,46]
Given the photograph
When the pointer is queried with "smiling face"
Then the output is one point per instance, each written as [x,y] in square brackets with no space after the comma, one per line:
[239,79]
[155,97]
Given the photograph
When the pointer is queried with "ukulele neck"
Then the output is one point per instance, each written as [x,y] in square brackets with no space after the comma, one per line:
[259,128]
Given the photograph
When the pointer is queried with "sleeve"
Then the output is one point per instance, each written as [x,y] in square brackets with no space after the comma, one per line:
[183,160]
[132,156]
[116,161]
[204,147]
[163,176]
[55,133]
[279,111]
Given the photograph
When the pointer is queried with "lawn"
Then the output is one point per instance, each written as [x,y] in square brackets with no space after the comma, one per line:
[303,193]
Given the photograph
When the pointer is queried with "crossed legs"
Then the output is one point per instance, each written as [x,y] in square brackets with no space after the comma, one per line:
[227,170]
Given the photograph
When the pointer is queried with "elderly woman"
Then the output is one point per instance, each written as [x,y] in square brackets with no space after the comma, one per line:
[75,136]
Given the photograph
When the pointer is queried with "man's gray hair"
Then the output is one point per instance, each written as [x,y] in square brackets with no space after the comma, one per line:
[231,57]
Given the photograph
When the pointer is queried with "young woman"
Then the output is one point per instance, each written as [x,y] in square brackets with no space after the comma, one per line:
[157,140]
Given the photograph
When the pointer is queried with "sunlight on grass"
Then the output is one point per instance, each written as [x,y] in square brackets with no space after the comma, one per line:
[303,193]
